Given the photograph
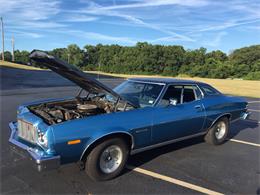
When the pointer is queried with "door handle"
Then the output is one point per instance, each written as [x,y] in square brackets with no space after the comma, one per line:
[197,107]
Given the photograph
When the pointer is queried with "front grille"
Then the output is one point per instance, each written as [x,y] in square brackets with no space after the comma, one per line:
[26,131]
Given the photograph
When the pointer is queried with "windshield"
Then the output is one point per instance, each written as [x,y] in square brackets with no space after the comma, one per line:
[141,94]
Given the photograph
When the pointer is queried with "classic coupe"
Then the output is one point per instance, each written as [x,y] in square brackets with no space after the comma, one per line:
[100,127]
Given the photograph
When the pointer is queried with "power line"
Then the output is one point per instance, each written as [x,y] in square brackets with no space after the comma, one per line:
[3,42]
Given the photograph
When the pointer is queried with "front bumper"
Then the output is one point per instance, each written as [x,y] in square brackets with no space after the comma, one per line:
[41,161]
[245,115]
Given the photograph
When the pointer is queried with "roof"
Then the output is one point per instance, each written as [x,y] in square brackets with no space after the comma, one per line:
[164,80]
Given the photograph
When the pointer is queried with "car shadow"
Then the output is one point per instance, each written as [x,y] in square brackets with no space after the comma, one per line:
[242,125]
[144,157]
[147,156]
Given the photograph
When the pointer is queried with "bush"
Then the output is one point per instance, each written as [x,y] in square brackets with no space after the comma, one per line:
[253,76]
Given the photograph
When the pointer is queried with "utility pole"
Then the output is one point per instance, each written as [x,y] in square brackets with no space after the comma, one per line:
[68,58]
[3,41]
[13,48]
[98,70]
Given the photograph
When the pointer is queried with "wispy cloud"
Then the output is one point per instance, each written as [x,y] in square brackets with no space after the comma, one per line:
[192,23]
[228,24]
[79,18]
[23,16]
[28,9]
[156,3]
[102,37]
[216,41]
[97,9]
[25,33]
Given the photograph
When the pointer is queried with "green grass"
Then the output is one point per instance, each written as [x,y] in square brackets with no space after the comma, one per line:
[14,65]
[247,88]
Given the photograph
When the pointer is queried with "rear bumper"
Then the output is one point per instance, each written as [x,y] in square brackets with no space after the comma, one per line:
[40,160]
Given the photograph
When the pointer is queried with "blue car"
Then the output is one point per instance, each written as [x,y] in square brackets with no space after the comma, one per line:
[100,127]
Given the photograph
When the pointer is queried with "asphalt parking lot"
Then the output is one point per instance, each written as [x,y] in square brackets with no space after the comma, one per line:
[187,167]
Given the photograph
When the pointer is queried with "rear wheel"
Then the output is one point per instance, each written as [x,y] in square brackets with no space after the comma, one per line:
[217,134]
[107,160]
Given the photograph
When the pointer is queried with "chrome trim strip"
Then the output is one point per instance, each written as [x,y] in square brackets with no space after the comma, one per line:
[115,132]
[147,82]
[165,143]
[160,95]
[202,93]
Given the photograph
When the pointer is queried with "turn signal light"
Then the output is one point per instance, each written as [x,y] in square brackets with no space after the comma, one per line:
[77,141]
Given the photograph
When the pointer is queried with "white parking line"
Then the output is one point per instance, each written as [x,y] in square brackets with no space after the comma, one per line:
[254,102]
[244,142]
[253,110]
[174,181]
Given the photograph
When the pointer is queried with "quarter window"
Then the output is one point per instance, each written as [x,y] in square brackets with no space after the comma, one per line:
[209,90]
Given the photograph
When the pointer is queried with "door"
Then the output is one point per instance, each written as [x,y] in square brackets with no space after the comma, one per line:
[186,118]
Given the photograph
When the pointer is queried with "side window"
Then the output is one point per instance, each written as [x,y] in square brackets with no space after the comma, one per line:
[189,94]
[209,90]
[173,92]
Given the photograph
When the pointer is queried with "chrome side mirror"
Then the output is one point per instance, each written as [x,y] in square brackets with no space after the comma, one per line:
[173,101]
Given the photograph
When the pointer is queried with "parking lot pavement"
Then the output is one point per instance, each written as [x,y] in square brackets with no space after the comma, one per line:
[187,167]
[229,168]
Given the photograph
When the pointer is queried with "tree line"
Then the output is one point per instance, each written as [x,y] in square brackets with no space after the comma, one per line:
[145,58]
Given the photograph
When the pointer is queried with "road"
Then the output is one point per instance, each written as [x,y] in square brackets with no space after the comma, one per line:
[187,167]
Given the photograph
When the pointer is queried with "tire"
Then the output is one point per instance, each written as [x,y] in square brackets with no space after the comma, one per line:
[114,151]
[217,134]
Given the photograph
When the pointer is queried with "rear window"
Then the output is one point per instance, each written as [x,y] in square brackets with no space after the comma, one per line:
[208,90]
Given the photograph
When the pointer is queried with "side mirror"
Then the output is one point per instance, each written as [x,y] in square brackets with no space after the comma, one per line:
[173,101]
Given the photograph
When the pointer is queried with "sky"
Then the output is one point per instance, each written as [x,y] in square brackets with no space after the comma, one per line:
[214,24]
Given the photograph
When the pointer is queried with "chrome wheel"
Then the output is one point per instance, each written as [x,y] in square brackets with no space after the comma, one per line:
[110,159]
[220,130]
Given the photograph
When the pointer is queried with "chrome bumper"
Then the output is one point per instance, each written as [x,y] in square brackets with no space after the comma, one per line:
[245,115]
[41,160]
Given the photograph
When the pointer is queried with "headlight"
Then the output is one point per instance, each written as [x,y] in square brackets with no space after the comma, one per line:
[42,138]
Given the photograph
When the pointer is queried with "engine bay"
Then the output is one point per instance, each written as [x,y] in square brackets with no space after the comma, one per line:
[57,112]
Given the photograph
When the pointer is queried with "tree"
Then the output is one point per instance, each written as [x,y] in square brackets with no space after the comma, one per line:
[21,56]
[145,58]
[61,53]
[75,55]
[8,56]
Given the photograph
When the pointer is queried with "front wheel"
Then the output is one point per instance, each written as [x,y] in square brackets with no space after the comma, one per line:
[217,134]
[107,159]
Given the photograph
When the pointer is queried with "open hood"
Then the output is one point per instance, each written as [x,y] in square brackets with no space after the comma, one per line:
[72,73]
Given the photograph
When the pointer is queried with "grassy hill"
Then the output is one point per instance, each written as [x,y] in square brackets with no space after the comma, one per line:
[233,87]
[14,65]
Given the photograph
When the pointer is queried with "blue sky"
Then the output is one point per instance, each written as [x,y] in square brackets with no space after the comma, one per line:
[48,24]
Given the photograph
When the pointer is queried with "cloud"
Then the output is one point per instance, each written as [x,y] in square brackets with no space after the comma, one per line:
[228,24]
[217,40]
[188,22]
[27,34]
[96,36]
[99,37]
[156,3]
[168,39]
[97,9]
[28,9]
[80,18]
